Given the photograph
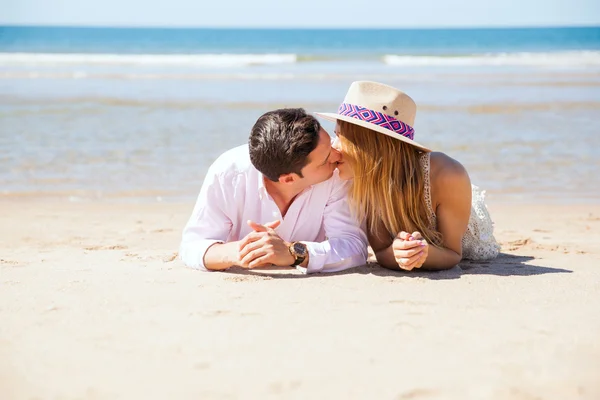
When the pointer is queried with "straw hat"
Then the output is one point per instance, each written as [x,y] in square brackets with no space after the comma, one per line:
[381,108]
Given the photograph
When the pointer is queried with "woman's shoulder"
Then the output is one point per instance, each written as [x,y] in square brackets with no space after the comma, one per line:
[447,173]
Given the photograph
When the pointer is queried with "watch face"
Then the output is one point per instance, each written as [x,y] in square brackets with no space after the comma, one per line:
[300,249]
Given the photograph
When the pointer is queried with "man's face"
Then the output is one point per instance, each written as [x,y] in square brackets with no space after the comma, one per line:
[321,161]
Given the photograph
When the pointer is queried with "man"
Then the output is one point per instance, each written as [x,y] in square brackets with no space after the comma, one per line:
[276,201]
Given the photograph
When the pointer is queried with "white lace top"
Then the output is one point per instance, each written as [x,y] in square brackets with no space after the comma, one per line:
[479,242]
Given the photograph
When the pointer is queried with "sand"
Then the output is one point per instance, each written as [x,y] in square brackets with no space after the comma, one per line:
[94,305]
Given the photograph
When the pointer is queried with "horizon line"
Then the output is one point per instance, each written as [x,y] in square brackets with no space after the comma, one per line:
[190,27]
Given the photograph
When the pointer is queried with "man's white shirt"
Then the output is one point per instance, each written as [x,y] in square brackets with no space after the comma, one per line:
[233,192]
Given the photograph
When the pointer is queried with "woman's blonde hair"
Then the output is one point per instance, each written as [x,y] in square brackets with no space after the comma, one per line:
[389,183]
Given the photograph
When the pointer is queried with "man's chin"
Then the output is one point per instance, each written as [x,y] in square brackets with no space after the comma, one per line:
[333,171]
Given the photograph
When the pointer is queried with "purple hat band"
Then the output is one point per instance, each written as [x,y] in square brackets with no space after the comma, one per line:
[377,118]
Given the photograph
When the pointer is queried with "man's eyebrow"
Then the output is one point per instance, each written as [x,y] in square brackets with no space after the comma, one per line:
[327,158]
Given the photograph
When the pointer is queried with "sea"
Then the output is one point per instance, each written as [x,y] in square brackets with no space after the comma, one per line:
[139,114]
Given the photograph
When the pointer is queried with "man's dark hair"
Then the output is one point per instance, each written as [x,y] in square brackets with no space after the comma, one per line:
[281,140]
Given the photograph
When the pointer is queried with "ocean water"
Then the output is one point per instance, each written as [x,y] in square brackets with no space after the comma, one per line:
[139,114]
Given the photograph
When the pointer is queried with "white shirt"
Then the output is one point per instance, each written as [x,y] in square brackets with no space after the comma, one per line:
[233,192]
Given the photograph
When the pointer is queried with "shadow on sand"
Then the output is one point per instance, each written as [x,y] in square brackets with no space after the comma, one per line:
[504,265]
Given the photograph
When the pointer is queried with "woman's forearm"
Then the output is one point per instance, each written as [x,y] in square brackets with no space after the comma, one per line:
[440,258]
[386,259]
[437,258]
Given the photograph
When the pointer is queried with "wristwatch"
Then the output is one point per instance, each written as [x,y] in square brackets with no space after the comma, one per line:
[299,251]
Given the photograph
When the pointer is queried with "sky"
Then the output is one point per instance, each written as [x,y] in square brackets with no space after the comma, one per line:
[301,14]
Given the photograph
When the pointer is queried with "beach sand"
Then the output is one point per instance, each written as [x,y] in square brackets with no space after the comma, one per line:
[95,305]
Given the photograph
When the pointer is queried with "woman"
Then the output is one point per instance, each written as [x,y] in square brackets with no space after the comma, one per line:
[420,207]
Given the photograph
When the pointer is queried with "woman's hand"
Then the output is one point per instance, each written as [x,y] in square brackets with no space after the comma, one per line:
[410,250]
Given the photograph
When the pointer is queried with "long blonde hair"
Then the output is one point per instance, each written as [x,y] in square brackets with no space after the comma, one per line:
[388,186]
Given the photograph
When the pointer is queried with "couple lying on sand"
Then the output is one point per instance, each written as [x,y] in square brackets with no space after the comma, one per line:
[291,197]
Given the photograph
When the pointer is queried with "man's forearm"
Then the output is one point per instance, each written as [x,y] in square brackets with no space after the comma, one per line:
[336,254]
[221,256]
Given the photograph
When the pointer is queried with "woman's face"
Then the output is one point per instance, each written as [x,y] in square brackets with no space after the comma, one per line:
[344,168]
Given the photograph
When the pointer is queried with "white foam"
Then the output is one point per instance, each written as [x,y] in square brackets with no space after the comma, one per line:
[194,60]
[151,76]
[557,59]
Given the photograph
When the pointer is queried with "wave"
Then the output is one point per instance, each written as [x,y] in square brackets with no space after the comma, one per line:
[64,105]
[192,60]
[549,59]
[160,76]
[551,78]
[556,59]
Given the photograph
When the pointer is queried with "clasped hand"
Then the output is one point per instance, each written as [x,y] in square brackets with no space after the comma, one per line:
[263,247]
[410,250]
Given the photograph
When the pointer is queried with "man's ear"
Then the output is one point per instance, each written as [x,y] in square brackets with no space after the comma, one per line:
[288,178]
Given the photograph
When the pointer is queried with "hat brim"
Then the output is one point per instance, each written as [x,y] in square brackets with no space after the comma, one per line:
[335,117]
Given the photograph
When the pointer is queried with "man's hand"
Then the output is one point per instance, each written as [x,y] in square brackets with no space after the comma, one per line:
[264,247]
[410,250]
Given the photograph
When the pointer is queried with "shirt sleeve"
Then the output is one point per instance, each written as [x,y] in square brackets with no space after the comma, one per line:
[208,224]
[346,244]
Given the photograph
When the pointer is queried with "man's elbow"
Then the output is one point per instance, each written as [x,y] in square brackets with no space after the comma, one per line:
[361,252]
[189,257]
[364,255]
